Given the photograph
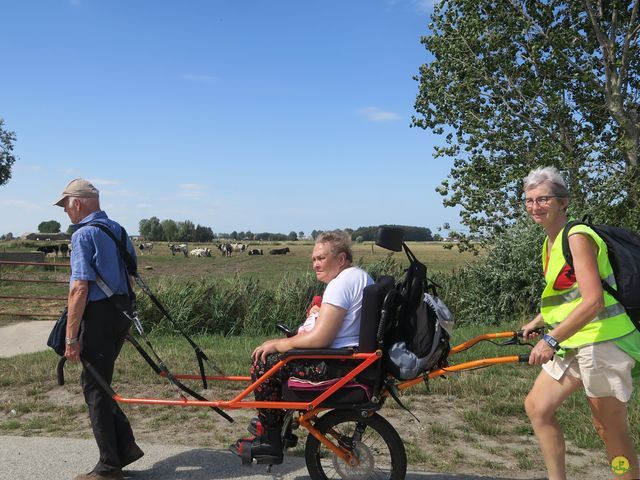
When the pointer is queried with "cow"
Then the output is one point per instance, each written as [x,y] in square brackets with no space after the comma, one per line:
[238,247]
[279,251]
[145,247]
[64,249]
[226,249]
[200,252]
[47,249]
[179,248]
[255,251]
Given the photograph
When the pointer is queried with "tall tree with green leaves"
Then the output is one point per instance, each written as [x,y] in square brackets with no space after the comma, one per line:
[49,226]
[518,84]
[7,158]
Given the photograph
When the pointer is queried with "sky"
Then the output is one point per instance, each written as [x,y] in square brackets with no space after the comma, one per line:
[277,116]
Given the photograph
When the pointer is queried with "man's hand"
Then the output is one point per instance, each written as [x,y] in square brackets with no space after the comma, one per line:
[72,352]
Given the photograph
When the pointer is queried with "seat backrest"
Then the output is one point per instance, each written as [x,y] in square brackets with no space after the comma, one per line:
[372,300]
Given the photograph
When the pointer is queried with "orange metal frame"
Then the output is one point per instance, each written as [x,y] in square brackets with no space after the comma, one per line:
[310,410]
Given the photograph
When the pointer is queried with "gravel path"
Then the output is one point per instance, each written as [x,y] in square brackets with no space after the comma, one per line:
[40,458]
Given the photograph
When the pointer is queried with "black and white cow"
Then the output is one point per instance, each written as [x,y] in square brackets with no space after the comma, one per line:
[255,251]
[279,251]
[179,248]
[238,247]
[64,249]
[226,249]
[200,252]
[47,249]
[145,247]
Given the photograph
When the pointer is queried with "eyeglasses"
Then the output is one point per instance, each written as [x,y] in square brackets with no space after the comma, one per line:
[542,201]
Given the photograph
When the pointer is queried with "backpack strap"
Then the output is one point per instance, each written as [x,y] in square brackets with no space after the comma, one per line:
[568,257]
[129,262]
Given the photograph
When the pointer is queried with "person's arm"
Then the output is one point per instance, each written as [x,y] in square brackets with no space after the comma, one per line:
[585,265]
[327,326]
[78,294]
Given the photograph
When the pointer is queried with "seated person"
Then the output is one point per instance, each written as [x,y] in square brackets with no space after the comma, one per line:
[337,326]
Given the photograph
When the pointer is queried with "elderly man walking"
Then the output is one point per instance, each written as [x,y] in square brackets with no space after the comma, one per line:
[96,328]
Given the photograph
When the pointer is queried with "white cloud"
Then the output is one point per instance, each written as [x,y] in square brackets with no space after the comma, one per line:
[190,194]
[374,114]
[194,77]
[144,205]
[69,171]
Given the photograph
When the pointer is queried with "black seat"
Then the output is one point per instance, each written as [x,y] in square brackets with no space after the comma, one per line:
[370,337]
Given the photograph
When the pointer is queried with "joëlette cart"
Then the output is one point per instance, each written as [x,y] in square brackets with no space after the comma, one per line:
[347,436]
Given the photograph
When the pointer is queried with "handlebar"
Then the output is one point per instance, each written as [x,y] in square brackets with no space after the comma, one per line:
[539,331]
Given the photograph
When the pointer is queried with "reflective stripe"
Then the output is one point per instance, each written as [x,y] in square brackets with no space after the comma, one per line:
[608,312]
[560,299]
[555,300]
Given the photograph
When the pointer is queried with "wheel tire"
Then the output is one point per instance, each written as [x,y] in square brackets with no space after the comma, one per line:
[381,449]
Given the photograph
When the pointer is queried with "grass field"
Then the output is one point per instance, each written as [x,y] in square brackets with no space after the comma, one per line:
[160,265]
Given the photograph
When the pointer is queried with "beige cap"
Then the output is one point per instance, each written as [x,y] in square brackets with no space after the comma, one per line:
[78,188]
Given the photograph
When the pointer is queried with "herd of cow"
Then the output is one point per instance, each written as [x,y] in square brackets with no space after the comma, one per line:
[225,248]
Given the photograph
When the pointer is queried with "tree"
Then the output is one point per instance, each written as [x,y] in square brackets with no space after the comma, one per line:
[315,233]
[7,158]
[186,231]
[6,237]
[151,229]
[202,234]
[519,84]
[293,236]
[170,230]
[50,226]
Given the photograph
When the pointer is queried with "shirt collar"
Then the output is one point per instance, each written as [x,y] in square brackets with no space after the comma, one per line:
[97,215]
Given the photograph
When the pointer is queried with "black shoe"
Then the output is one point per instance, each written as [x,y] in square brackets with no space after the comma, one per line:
[289,440]
[264,449]
[132,453]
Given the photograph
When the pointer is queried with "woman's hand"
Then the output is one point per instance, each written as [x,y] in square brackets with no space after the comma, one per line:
[541,353]
[528,332]
[267,348]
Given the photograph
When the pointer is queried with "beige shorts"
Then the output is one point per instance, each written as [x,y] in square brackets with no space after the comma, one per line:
[604,369]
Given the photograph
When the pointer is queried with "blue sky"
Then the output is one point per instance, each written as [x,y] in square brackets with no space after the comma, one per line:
[238,115]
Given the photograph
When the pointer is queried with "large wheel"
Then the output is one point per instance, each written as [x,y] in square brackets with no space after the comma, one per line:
[373,440]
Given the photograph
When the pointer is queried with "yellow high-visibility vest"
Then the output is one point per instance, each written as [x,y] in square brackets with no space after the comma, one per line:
[611,323]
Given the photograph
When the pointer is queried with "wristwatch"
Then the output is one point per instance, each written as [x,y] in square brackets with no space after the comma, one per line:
[71,341]
[552,342]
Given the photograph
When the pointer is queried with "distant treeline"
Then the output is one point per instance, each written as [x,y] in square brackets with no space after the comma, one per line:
[156,230]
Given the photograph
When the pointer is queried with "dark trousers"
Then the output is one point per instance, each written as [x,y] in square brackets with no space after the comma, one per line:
[103,332]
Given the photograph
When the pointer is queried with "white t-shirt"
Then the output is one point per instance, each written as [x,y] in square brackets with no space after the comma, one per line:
[345,291]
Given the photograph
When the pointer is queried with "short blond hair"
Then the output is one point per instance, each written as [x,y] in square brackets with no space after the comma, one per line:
[339,241]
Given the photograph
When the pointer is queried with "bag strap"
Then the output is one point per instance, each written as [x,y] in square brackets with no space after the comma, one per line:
[568,257]
[129,262]
[127,258]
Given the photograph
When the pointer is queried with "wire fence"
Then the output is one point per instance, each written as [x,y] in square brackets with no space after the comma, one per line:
[32,289]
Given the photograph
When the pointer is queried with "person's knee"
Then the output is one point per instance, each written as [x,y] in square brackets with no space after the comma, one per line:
[537,410]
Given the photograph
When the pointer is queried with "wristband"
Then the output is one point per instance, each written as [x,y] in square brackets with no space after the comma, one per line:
[71,341]
[552,342]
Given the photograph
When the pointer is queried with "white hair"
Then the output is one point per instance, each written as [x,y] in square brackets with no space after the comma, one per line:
[548,175]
